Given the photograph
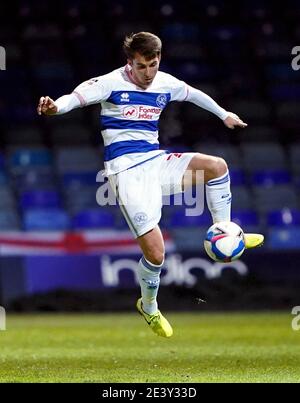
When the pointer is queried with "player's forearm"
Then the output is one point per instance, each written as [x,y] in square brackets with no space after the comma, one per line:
[203,100]
[66,103]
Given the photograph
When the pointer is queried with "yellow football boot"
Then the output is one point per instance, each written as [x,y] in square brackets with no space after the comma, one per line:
[157,321]
[253,240]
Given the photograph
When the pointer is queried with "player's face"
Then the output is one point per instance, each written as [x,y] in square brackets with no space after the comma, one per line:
[144,71]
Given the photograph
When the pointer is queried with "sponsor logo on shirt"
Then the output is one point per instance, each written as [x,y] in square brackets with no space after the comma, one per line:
[141,112]
[130,112]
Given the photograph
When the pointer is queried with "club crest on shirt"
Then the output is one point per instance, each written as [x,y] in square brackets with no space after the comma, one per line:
[161,100]
[140,218]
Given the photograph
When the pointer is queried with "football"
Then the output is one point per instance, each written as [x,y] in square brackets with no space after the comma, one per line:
[224,242]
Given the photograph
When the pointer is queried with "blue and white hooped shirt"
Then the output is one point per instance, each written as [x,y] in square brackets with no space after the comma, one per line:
[130,115]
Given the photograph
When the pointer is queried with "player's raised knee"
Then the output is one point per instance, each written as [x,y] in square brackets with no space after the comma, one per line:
[216,167]
[155,257]
[222,166]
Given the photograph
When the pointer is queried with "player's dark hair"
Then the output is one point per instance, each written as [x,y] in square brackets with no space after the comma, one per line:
[144,43]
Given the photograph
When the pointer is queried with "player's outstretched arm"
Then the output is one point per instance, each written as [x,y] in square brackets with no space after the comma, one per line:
[62,105]
[233,121]
[89,92]
[46,106]
[199,98]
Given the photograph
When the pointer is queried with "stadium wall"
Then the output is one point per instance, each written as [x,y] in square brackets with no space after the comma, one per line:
[190,281]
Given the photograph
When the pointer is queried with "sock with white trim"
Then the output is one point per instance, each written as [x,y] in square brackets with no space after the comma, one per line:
[218,197]
[149,279]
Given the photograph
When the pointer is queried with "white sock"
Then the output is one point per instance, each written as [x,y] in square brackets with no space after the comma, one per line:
[149,278]
[218,197]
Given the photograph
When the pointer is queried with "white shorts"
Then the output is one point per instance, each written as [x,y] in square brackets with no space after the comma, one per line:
[139,189]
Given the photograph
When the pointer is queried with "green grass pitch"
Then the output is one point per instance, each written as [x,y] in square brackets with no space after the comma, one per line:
[206,347]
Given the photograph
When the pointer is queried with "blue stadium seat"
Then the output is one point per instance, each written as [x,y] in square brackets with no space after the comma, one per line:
[33,179]
[258,111]
[181,51]
[191,71]
[27,158]
[22,113]
[271,178]
[283,218]
[78,159]
[3,178]
[242,198]
[262,156]
[80,198]
[7,198]
[56,70]
[226,32]
[284,238]
[275,198]
[71,134]
[189,238]
[74,118]
[248,220]
[245,217]
[285,92]
[230,153]
[180,219]
[287,110]
[237,177]
[46,220]
[179,31]
[93,219]
[40,198]
[274,50]
[55,86]
[9,220]
[294,153]
[288,116]
[261,134]
[279,72]
[2,161]
[26,135]
[78,179]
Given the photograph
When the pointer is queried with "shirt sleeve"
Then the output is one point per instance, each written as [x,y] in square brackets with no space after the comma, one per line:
[66,103]
[203,100]
[93,91]
[179,89]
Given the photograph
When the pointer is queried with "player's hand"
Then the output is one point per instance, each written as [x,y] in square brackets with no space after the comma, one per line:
[46,106]
[233,121]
